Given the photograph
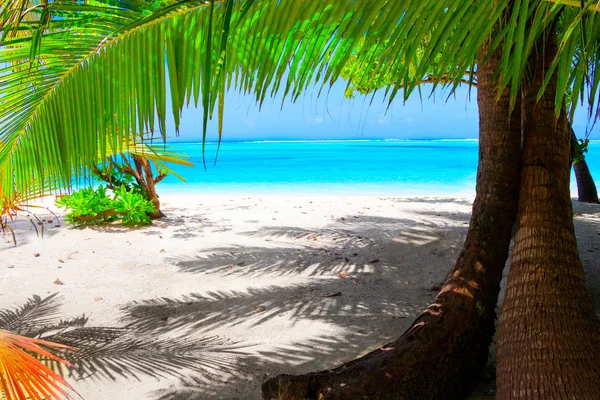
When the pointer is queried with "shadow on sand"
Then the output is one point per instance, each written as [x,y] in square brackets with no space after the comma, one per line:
[367,276]
[374,304]
[362,280]
[108,353]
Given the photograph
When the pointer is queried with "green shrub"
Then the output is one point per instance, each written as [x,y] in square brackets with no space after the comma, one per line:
[89,207]
[133,206]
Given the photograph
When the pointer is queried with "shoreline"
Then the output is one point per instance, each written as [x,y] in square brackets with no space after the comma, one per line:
[174,197]
[324,189]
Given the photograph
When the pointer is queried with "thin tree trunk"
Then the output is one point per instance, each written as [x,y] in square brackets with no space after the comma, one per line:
[146,180]
[446,347]
[586,188]
[549,335]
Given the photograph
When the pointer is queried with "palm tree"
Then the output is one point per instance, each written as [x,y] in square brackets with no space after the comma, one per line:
[148,165]
[362,80]
[67,92]
[546,282]
[586,188]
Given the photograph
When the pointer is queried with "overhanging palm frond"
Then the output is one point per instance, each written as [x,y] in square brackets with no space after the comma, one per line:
[263,47]
[579,4]
[122,87]
[31,69]
[162,156]
[23,375]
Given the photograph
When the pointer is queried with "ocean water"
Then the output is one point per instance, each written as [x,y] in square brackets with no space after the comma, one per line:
[340,167]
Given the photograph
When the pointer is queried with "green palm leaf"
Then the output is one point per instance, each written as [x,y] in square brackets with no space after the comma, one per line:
[98,74]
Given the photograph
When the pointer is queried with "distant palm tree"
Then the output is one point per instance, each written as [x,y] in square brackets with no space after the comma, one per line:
[586,187]
[88,74]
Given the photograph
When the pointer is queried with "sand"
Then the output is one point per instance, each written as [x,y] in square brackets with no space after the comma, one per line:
[228,290]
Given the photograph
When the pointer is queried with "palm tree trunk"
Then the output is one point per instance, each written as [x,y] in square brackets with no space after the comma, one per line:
[549,335]
[446,347]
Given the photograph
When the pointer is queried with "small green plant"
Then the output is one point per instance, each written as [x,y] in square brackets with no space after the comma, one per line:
[133,206]
[138,174]
[90,207]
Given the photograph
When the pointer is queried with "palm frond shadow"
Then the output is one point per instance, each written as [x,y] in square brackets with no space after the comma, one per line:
[103,353]
[430,200]
[356,336]
[187,222]
[31,318]
[344,246]
[127,356]
[350,313]
[371,292]
[201,313]
[368,311]
[245,384]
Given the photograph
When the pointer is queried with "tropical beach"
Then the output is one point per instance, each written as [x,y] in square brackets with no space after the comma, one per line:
[267,284]
[264,284]
[299,199]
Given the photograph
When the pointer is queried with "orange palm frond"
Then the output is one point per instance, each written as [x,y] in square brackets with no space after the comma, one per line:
[22,373]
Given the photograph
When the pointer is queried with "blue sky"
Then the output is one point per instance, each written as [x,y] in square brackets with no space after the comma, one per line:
[332,116]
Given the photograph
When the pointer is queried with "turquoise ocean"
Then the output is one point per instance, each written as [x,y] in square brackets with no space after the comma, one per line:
[337,167]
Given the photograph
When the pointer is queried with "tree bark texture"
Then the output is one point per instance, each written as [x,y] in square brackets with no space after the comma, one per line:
[548,344]
[446,347]
[146,179]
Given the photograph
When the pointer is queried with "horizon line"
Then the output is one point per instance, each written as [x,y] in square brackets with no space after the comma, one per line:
[322,140]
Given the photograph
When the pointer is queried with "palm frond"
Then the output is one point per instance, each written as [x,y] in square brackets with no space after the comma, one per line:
[28,78]
[23,375]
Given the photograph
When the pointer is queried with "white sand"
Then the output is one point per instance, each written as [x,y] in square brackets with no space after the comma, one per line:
[247,278]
